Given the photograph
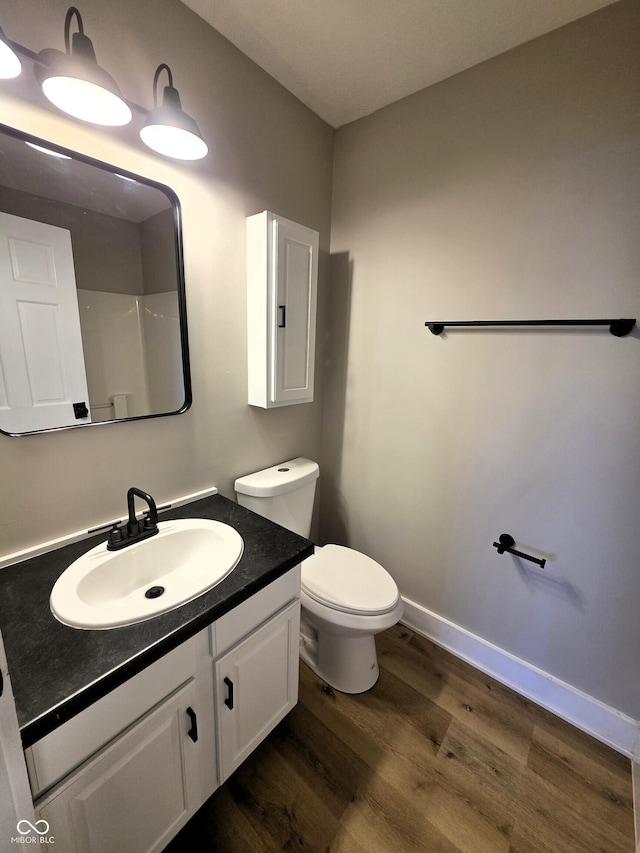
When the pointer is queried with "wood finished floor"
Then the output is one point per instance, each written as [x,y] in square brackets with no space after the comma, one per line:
[437,757]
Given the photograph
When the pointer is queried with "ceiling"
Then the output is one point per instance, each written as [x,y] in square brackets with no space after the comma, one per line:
[347,58]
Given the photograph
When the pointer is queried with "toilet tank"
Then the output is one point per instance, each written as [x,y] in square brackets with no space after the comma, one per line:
[283,493]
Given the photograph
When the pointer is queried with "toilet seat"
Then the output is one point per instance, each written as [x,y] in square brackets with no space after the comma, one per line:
[346,580]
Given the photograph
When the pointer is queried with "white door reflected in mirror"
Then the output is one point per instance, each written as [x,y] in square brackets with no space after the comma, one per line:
[43,383]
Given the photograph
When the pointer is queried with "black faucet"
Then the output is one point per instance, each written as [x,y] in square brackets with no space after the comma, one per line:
[133,530]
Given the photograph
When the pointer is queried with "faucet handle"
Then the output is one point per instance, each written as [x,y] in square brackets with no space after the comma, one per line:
[150,521]
[115,534]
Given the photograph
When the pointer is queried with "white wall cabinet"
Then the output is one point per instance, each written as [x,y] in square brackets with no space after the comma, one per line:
[127,773]
[256,686]
[282,276]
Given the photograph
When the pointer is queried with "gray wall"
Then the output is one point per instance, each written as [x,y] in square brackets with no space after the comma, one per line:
[158,253]
[266,151]
[509,191]
[98,265]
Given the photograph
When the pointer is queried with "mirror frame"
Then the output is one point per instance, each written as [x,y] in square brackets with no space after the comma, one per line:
[180,281]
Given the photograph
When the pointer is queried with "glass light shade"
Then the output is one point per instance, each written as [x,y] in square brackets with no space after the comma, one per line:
[170,131]
[10,65]
[87,101]
[77,85]
[173,141]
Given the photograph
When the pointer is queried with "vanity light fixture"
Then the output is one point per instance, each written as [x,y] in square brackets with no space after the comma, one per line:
[168,129]
[75,83]
[10,65]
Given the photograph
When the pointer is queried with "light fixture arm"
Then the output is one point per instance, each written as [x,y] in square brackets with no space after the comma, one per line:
[170,95]
[77,44]
[67,26]
[162,67]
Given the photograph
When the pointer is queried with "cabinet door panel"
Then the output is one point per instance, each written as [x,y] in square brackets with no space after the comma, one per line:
[296,272]
[256,684]
[134,796]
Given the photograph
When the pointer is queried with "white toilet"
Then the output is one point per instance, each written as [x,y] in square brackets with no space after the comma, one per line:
[346,597]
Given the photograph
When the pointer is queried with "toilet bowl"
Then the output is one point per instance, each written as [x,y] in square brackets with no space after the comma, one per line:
[346,597]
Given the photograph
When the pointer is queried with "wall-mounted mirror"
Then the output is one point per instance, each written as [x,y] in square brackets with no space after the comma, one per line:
[92,302]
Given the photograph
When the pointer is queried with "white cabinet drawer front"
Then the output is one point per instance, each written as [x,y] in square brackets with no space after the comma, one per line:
[136,794]
[249,615]
[58,753]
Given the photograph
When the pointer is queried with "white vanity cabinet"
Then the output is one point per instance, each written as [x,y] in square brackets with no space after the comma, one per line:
[126,774]
[282,275]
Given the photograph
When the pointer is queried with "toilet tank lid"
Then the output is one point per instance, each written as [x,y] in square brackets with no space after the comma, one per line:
[279,479]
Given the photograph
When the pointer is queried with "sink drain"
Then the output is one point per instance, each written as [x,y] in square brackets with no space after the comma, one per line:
[154,592]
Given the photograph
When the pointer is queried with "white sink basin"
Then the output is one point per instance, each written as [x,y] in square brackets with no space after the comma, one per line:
[106,589]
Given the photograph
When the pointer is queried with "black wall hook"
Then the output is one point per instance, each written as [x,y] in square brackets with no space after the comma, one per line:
[506,543]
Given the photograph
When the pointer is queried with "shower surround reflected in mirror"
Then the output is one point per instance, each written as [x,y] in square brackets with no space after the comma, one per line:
[92,302]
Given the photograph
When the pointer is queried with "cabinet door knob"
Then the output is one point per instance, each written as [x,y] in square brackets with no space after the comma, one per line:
[193,731]
[229,700]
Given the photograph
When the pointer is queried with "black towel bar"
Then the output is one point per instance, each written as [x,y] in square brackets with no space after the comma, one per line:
[619,327]
[507,542]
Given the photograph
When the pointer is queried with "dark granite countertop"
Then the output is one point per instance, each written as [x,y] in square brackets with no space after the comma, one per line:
[57,671]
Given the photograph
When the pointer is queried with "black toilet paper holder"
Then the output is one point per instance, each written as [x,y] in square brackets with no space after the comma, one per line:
[506,543]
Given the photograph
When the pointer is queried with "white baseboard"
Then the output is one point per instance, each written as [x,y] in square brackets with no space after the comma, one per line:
[581,710]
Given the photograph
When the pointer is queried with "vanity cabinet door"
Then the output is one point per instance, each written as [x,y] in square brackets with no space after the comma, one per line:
[256,686]
[135,794]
